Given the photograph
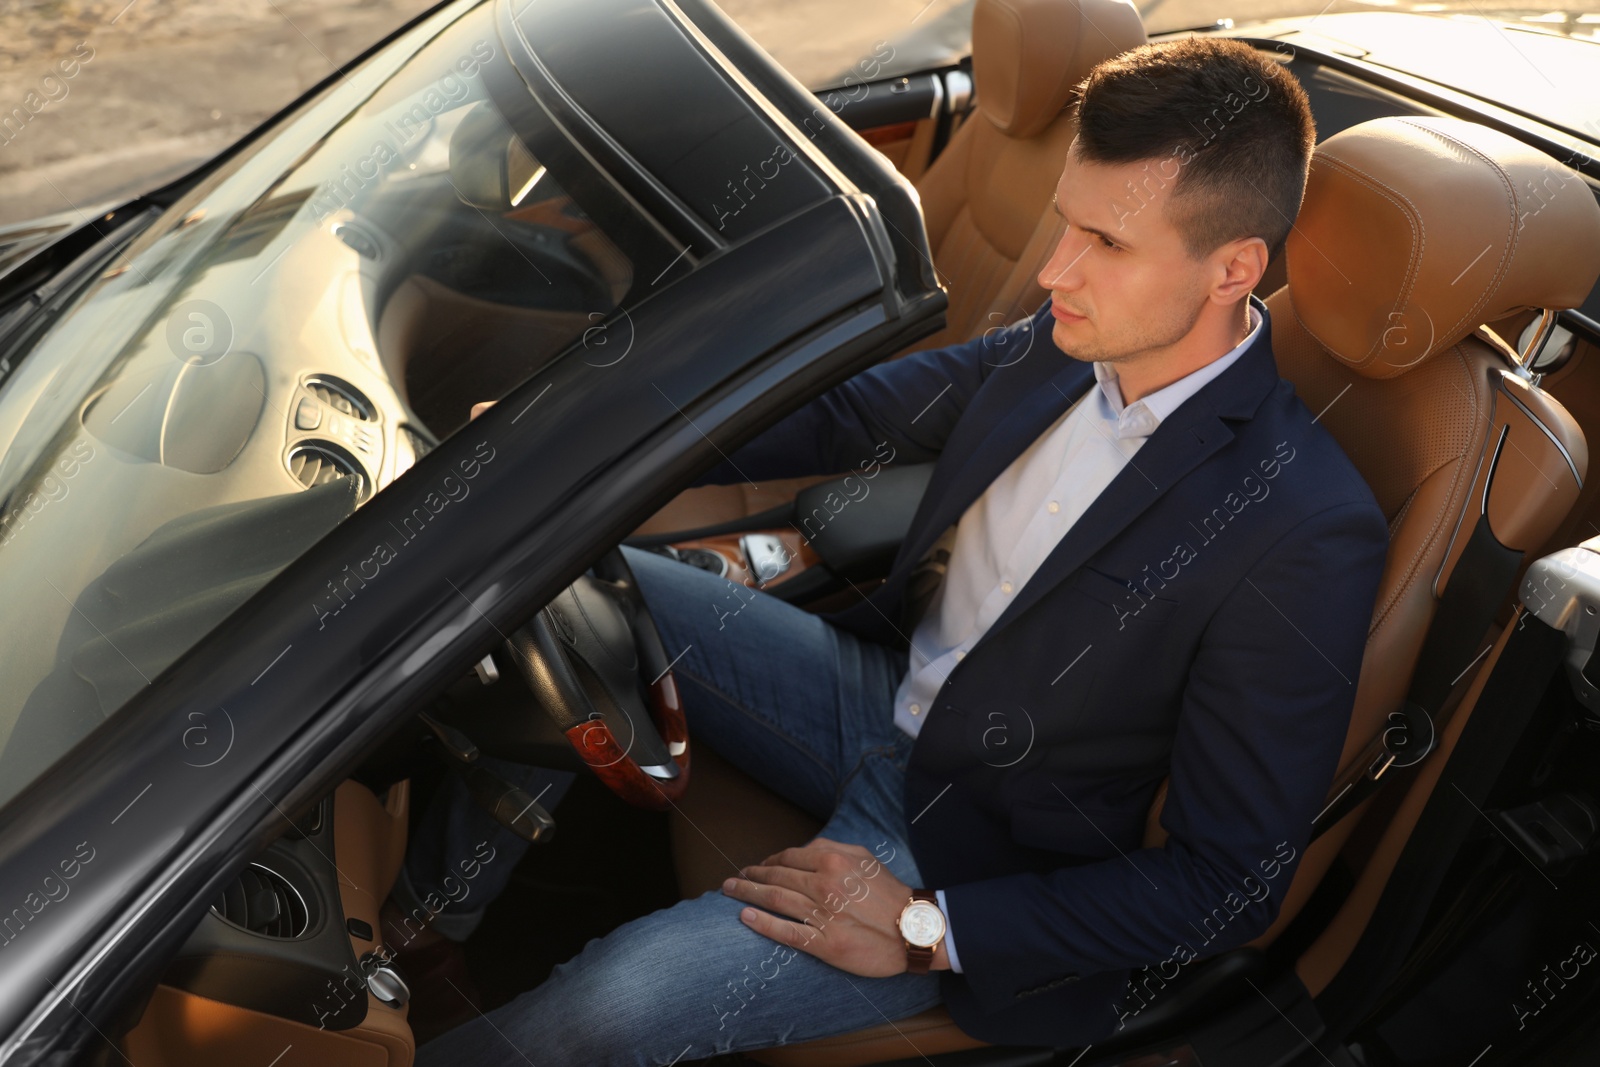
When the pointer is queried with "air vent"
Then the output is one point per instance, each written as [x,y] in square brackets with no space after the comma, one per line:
[410,446]
[362,242]
[420,445]
[316,463]
[342,397]
[262,901]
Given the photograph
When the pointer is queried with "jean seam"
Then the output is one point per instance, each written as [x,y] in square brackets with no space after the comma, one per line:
[861,761]
[739,706]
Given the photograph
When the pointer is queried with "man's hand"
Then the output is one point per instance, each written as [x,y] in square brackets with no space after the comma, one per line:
[480,407]
[846,906]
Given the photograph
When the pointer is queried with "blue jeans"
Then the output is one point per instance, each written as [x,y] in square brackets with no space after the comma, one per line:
[805,708]
[460,858]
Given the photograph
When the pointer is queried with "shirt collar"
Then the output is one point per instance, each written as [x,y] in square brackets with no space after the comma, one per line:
[1141,418]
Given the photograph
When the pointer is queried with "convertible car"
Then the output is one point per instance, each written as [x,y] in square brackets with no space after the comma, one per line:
[267,584]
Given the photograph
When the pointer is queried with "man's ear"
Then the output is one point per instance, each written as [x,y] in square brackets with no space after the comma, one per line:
[1239,266]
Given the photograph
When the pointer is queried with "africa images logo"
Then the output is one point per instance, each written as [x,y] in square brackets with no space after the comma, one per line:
[352,581]
[1252,489]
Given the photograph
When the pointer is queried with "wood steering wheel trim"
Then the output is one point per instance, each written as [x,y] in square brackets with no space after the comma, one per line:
[598,747]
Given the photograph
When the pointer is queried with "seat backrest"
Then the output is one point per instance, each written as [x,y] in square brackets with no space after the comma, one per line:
[1412,233]
[986,198]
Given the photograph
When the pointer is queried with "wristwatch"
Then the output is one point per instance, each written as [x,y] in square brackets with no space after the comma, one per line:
[922,925]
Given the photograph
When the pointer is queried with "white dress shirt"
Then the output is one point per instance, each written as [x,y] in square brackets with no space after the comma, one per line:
[1016,522]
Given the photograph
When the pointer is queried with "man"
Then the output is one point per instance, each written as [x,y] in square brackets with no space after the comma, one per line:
[1155,566]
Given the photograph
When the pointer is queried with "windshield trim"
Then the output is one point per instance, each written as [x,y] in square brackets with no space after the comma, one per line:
[36,309]
[1281,32]
[1577,152]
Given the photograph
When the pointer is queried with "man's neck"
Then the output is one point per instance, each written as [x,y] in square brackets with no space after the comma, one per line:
[1216,332]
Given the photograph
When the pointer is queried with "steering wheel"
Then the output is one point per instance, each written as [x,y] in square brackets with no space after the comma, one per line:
[588,655]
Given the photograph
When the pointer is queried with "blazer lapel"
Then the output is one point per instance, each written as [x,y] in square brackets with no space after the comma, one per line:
[1183,441]
[1178,446]
[1018,426]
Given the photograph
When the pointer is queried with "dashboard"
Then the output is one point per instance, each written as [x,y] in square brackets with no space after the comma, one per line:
[289,953]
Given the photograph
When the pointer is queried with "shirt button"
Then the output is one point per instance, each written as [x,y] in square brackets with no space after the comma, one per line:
[916,709]
[1052,507]
[1005,587]
[960,655]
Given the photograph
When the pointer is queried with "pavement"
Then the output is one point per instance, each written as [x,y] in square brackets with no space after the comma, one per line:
[154,87]
[101,99]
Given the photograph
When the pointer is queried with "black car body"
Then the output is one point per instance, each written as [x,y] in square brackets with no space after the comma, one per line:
[818,274]
[242,593]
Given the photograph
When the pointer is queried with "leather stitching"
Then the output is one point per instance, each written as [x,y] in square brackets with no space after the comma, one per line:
[1013,120]
[1400,516]
[1419,242]
[1409,573]
[1452,508]
[1508,250]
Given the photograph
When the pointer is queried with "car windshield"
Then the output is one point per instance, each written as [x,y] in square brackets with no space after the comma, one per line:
[1576,19]
[1534,60]
[278,346]
[1539,63]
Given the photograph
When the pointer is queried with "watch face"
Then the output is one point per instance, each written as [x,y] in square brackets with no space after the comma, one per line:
[922,924]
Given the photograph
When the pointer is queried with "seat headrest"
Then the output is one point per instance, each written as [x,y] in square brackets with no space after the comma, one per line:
[1415,231]
[1028,55]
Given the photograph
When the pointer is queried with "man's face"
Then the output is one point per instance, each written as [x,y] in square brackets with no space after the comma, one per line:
[1121,282]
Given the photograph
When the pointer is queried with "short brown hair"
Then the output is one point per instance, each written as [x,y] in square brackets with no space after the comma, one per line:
[1232,125]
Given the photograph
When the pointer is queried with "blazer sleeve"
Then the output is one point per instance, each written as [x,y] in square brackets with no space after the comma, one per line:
[901,411]
[1263,720]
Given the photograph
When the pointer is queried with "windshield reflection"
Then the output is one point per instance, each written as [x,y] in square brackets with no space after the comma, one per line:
[286,341]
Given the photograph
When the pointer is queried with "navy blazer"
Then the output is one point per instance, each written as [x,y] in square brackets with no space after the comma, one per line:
[1204,620]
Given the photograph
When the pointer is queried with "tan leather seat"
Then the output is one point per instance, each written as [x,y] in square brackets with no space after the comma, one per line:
[1468,226]
[1412,233]
[986,199]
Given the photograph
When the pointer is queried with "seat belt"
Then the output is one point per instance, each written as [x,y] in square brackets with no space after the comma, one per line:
[1477,588]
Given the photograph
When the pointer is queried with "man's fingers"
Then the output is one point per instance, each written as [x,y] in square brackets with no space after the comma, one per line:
[804,859]
[788,877]
[480,407]
[794,935]
[781,899]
